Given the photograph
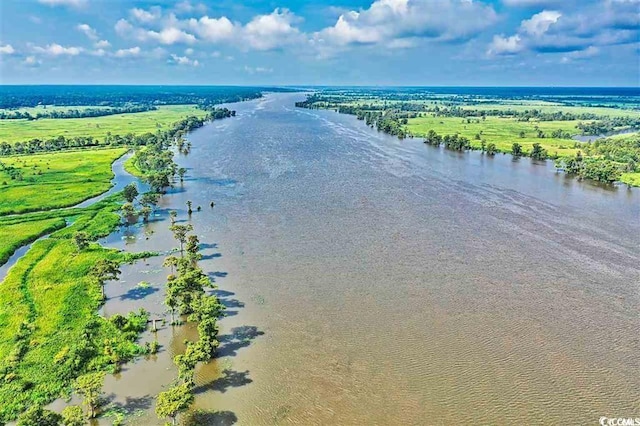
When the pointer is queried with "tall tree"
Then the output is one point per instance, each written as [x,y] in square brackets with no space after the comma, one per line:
[130,192]
[180,233]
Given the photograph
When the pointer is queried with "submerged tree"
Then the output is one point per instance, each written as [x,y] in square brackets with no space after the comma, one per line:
[130,192]
[90,387]
[170,403]
[73,416]
[105,270]
[180,233]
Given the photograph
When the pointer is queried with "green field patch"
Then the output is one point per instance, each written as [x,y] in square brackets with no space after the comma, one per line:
[97,127]
[503,132]
[17,235]
[47,181]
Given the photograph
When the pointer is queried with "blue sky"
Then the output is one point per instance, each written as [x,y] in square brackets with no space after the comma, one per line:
[332,42]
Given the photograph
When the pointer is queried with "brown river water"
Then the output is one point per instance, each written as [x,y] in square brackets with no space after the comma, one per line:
[376,281]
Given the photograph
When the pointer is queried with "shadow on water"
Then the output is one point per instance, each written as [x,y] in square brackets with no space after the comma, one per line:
[229,379]
[211,418]
[139,293]
[131,404]
[240,337]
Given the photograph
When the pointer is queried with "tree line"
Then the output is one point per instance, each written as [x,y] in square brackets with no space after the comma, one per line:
[74,113]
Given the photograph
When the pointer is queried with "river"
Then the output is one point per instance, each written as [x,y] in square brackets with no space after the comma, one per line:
[376,281]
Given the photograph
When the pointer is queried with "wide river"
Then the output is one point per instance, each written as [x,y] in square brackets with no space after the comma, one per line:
[376,281]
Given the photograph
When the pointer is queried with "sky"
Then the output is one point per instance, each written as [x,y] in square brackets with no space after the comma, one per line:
[321,42]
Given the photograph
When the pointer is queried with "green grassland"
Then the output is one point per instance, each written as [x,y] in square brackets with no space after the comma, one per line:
[97,127]
[16,235]
[48,304]
[503,132]
[55,180]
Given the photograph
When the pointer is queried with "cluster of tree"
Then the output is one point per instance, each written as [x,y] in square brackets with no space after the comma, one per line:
[13,172]
[625,150]
[455,142]
[185,295]
[609,125]
[74,113]
[12,97]
[177,131]
[599,170]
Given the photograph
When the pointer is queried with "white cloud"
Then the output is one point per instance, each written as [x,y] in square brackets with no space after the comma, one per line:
[146,16]
[31,61]
[266,32]
[7,49]
[540,22]
[132,51]
[188,51]
[502,45]
[123,27]
[169,35]
[88,31]
[388,20]
[183,60]
[212,29]
[55,49]
[102,44]
[72,3]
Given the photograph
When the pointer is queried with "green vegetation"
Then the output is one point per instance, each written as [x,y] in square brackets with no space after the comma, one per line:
[49,181]
[20,234]
[96,127]
[534,128]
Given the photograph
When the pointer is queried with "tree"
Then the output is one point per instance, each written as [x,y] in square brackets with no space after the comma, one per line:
[538,153]
[81,239]
[522,135]
[128,212]
[105,270]
[38,416]
[170,262]
[73,416]
[172,216]
[170,403]
[193,245]
[90,387]
[145,212]
[491,148]
[180,233]
[189,204]
[130,192]
[149,199]
[181,172]
[516,149]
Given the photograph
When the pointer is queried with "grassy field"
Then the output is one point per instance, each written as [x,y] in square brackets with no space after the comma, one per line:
[55,180]
[17,235]
[97,127]
[501,131]
[47,303]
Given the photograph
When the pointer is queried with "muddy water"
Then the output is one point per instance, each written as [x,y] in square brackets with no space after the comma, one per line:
[375,281]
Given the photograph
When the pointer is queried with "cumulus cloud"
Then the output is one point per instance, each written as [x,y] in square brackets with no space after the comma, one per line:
[7,49]
[213,29]
[55,49]
[88,31]
[102,44]
[188,7]
[502,45]
[605,23]
[386,21]
[184,60]
[267,32]
[146,16]
[132,51]
[169,35]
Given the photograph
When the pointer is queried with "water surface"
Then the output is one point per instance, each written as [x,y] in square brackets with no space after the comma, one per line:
[376,281]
